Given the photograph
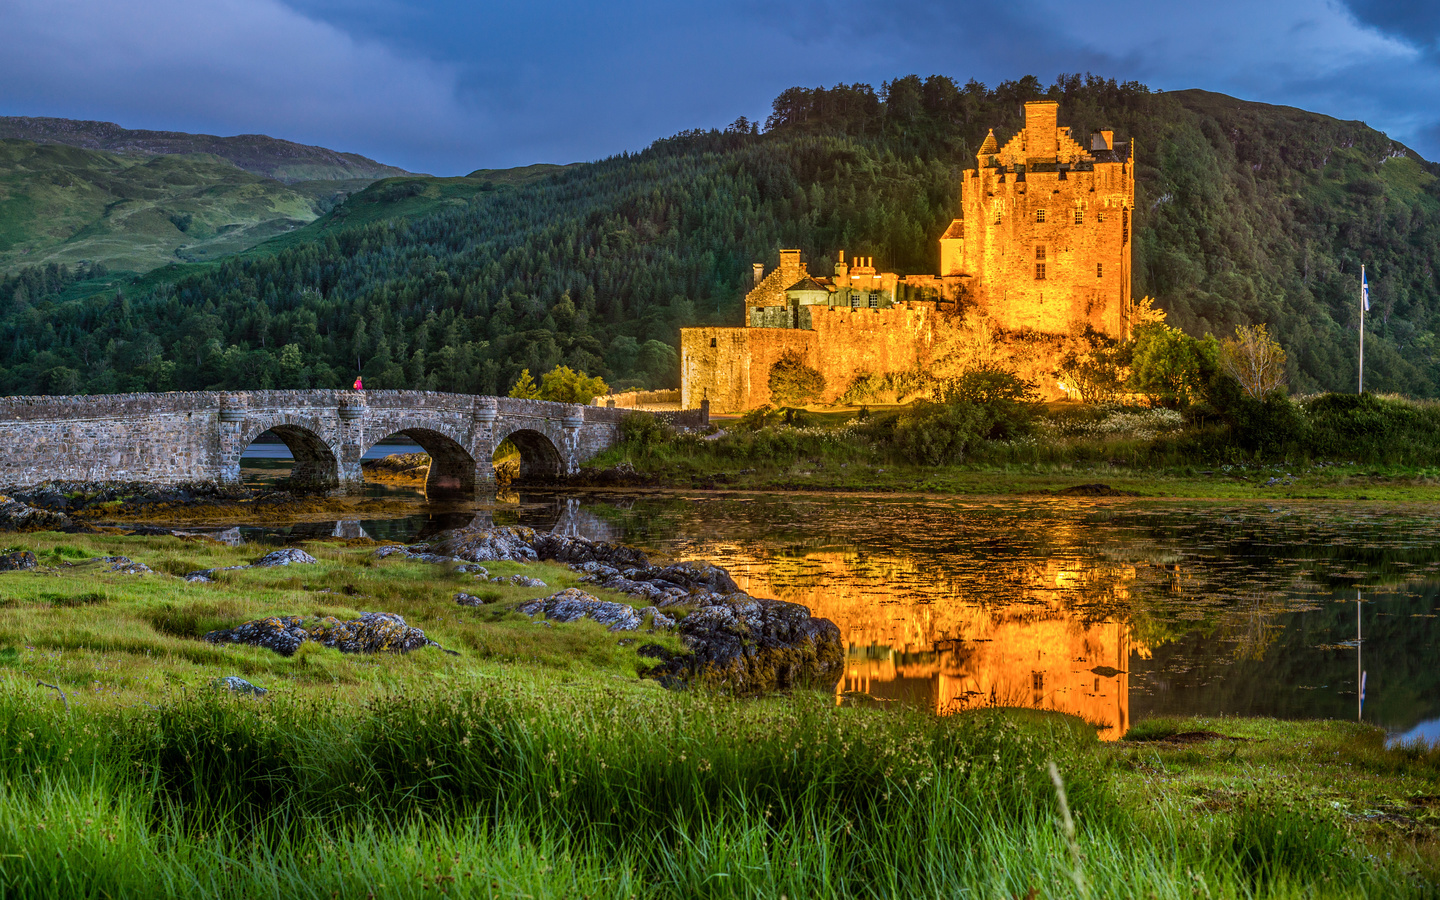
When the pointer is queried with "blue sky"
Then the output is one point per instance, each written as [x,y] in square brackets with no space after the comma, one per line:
[448,87]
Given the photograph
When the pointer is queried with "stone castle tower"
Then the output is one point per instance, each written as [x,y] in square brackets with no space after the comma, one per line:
[1043,241]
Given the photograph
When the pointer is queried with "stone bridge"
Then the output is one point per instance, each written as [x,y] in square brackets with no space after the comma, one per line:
[187,437]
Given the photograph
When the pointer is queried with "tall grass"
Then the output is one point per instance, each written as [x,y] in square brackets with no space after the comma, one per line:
[520,788]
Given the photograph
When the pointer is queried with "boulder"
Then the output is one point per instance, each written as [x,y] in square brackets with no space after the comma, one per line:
[571,604]
[238,685]
[371,633]
[465,599]
[748,644]
[285,557]
[17,516]
[17,560]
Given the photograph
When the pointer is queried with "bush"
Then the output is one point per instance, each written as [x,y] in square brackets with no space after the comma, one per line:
[936,434]
[792,383]
[641,433]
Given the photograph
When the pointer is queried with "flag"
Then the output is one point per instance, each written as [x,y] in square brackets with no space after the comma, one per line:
[1364,290]
[358,385]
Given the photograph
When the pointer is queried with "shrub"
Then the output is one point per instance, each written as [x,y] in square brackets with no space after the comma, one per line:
[792,383]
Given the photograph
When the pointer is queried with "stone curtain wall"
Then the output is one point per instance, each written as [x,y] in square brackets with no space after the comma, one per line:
[734,374]
[182,437]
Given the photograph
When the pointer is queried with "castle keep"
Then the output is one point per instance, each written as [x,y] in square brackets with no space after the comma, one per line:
[1042,245]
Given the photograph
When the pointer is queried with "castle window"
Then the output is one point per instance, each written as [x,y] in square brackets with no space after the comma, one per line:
[1099,270]
[1039,215]
[874,300]
[1100,216]
[712,342]
[1040,253]
[1079,216]
[1124,226]
[1039,271]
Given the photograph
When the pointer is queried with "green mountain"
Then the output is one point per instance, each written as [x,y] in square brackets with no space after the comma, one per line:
[64,204]
[255,153]
[1246,213]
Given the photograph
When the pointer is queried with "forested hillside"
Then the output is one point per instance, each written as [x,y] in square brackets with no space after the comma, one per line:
[1246,213]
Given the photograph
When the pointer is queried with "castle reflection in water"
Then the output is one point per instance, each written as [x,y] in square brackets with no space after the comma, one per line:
[1039,649]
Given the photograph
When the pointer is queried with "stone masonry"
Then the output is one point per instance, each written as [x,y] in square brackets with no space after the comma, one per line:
[190,437]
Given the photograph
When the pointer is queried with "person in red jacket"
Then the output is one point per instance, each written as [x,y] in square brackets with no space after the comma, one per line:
[358,385]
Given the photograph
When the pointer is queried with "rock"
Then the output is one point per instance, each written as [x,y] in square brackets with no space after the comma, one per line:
[658,620]
[371,633]
[571,604]
[526,581]
[516,543]
[149,531]
[17,516]
[122,564]
[239,685]
[748,644]
[472,569]
[465,599]
[17,560]
[663,585]
[284,557]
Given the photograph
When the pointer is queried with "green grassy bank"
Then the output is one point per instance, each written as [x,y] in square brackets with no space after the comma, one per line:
[1330,447]
[535,763]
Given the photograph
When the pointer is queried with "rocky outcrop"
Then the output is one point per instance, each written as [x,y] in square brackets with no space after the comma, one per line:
[731,640]
[371,633]
[571,604]
[18,516]
[749,644]
[17,560]
[516,543]
[662,585]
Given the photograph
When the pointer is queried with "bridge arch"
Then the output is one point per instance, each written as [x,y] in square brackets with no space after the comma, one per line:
[452,465]
[541,458]
[316,466]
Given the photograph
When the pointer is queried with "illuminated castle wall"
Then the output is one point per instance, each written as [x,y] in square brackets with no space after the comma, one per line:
[1043,244]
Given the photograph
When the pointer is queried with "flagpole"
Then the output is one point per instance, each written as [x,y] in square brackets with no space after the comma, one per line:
[1363,304]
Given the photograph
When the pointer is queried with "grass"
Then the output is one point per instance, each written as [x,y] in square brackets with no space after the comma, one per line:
[536,764]
[1144,452]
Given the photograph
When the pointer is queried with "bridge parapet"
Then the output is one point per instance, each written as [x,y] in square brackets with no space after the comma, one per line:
[200,436]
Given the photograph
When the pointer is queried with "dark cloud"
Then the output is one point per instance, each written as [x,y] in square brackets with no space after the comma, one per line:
[449,86]
[1416,21]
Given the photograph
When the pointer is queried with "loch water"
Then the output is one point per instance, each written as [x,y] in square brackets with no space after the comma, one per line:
[1115,610]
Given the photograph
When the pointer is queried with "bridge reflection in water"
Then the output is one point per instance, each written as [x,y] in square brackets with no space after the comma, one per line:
[1041,650]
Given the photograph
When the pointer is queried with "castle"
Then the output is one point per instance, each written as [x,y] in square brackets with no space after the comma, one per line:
[1042,247]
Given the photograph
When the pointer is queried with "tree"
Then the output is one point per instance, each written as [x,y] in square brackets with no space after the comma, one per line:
[524,387]
[1255,360]
[565,385]
[1173,367]
[792,383]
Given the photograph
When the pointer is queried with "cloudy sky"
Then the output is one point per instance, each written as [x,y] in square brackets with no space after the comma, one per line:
[448,87]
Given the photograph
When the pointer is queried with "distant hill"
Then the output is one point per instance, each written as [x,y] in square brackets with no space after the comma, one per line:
[134,213]
[281,160]
[1245,213]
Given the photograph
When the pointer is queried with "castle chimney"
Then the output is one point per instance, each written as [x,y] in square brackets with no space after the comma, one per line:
[1102,140]
[789,267]
[1041,117]
[759,273]
[1109,137]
